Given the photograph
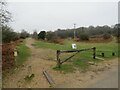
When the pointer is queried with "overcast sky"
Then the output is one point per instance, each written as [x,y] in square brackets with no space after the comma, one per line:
[53,15]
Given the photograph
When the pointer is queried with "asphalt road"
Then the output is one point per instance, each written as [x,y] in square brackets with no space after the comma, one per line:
[109,80]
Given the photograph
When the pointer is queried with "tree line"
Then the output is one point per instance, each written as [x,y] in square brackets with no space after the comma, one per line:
[83,33]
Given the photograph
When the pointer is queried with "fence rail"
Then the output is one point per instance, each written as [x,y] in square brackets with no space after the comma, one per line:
[59,62]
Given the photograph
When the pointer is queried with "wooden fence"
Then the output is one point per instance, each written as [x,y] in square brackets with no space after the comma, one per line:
[59,62]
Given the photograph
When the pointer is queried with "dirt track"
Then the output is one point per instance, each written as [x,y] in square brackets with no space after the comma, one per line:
[44,59]
[107,80]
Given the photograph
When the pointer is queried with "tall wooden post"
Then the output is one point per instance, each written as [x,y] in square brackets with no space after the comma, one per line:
[58,59]
[94,52]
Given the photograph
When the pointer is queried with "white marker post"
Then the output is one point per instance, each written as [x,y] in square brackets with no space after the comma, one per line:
[15,54]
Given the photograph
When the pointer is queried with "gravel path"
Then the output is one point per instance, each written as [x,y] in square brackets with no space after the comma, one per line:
[107,80]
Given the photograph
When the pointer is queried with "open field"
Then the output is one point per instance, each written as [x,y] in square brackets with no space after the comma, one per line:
[106,48]
[81,59]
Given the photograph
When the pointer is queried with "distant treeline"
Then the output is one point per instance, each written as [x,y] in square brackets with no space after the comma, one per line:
[90,31]
[83,33]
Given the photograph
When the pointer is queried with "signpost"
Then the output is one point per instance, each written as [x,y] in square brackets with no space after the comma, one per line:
[74,46]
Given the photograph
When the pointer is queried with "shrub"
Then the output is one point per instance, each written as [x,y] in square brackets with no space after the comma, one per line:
[42,35]
[50,36]
[106,36]
[84,36]
[24,34]
[8,34]
[58,41]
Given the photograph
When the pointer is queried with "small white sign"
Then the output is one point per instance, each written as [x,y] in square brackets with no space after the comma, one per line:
[15,53]
[74,46]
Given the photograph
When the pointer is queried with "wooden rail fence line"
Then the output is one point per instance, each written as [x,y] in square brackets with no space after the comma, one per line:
[59,62]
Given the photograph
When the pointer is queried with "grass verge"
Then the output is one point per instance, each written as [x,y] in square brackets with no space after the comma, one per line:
[23,54]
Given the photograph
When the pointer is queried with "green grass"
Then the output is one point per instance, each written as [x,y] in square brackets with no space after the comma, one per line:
[79,59]
[23,54]
[106,48]
[65,68]
[82,64]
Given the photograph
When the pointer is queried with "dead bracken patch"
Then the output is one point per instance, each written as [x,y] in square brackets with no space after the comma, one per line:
[8,59]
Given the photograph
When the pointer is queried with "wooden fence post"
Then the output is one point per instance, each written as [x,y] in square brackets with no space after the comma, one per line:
[113,54]
[94,52]
[58,59]
[103,54]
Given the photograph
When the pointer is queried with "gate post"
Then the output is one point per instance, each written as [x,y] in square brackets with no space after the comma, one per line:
[94,52]
[58,59]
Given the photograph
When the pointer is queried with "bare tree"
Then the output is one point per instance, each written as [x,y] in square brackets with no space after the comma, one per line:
[5,16]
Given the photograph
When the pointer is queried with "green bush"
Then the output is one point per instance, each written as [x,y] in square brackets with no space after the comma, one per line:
[8,35]
[42,35]
[24,34]
[50,36]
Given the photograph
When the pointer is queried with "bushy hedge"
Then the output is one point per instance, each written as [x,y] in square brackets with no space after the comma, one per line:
[8,34]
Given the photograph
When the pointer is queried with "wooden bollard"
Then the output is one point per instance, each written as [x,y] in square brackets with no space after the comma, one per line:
[58,59]
[113,54]
[102,54]
[94,52]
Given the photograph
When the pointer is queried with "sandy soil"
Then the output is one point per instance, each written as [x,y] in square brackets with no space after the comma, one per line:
[42,59]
